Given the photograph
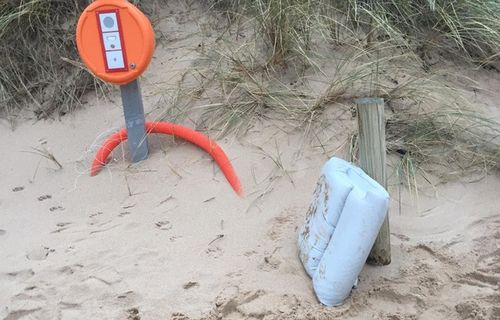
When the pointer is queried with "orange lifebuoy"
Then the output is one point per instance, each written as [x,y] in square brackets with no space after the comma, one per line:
[202,141]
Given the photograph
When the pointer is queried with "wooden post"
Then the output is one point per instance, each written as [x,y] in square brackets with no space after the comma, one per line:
[371,141]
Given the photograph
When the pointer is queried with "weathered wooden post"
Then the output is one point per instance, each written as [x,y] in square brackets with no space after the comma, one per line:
[372,154]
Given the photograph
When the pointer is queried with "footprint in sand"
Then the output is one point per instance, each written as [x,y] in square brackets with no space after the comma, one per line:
[21,313]
[190,284]
[70,269]
[22,275]
[39,253]
[57,208]
[214,252]
[282,226]
[124,213]
[69,310]
[61,226]
[133,314]
[44,197]
[470,310]
[93,215]
[163,225]
[179,316]
[174,238]
[242,305]
[128,297]
[270,261]
[17,189]
[250,253]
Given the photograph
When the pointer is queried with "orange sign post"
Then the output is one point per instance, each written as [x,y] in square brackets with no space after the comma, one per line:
[116,42]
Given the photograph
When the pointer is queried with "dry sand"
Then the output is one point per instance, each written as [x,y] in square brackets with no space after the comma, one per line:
[168,239]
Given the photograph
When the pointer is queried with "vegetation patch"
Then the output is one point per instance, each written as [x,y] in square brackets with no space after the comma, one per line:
[38,58]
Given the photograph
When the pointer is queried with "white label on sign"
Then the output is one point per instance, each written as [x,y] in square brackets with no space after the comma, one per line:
[111,41]
[109,22]
[115,59]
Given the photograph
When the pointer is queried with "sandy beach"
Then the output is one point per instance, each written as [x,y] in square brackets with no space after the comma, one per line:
[167,238]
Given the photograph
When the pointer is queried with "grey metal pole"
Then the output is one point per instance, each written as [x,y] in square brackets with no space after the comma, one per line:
[133,110]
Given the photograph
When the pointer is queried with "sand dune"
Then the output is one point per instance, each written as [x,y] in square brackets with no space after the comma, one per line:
[143,242]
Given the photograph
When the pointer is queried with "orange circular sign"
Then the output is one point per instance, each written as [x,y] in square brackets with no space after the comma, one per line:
[115,40]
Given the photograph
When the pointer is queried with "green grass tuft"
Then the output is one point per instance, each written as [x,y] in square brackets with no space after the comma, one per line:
[37,46]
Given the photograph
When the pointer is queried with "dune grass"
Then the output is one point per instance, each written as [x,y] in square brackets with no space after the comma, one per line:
[240,89]
[447,144]
[466,28]
[373,48]
[35,38]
